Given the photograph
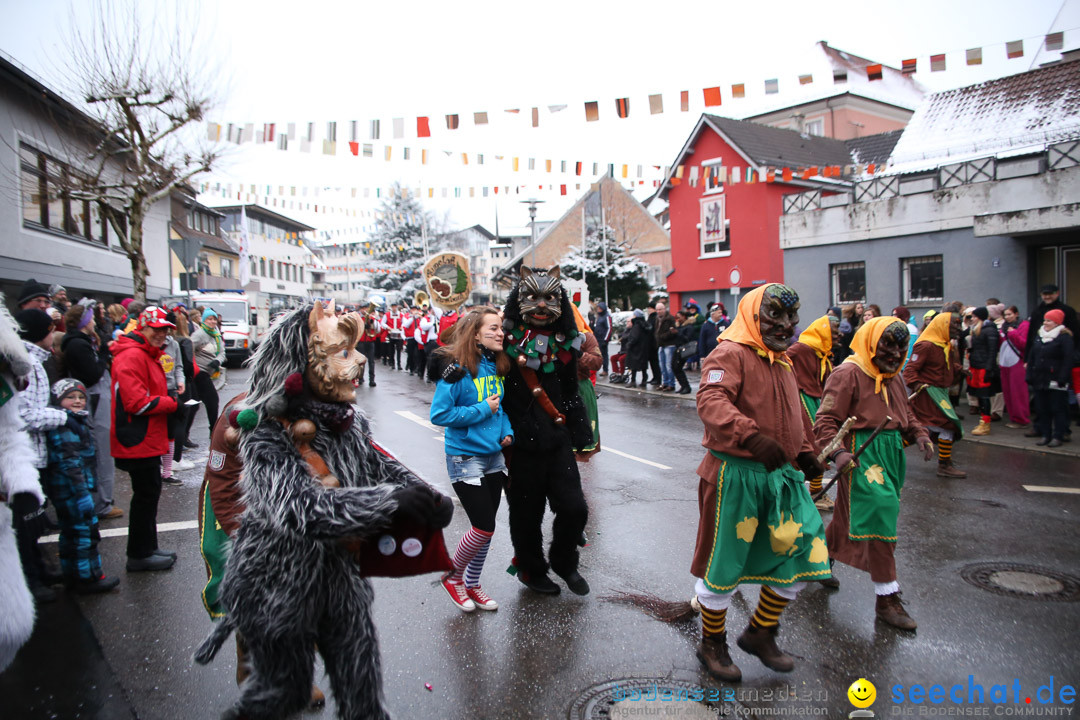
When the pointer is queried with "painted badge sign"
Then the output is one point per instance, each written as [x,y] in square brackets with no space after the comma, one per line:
[447,279]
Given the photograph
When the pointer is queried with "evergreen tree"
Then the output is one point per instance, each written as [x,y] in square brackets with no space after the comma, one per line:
[626,274]
[397,241]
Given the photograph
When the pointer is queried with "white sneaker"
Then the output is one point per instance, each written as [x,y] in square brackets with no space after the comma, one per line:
[460,596]
[184,464]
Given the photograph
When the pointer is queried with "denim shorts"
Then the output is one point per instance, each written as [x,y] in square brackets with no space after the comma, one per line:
[470,469]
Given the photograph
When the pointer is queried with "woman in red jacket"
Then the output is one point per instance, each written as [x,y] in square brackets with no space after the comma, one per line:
[139,433]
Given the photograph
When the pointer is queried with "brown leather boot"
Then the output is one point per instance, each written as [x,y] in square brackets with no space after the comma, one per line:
[948,470]
[762,642]
[713,654]
[890,609]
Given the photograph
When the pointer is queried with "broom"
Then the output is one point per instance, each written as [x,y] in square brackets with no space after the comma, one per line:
[667,611]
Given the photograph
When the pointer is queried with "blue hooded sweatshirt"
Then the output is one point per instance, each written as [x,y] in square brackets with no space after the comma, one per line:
[462,408]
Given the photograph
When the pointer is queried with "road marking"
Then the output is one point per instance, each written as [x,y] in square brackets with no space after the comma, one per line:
[417,419]
[1051,489]
[121,532]
[628,456]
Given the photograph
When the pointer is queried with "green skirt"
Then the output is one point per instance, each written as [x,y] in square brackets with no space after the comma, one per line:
[940,396]
[874,486]
[214,545]
[767,530]
[811,405]
[588,397]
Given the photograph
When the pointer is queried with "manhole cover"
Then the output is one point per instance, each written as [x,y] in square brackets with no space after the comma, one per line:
[1024,581]
[605,699]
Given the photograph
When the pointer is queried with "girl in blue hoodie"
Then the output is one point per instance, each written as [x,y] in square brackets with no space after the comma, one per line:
[467,403]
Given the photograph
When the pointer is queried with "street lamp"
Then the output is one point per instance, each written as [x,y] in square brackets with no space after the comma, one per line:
[532,203]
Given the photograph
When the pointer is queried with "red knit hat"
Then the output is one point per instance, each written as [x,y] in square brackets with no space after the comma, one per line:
[1057,315]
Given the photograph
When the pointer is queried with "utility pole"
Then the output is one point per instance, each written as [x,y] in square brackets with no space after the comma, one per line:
[603,239]
[532,203]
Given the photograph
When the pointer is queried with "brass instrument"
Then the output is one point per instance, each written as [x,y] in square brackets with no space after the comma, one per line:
[420,299]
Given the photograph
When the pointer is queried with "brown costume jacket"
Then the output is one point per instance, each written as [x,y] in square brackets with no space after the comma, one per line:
[807,366]
[927,365]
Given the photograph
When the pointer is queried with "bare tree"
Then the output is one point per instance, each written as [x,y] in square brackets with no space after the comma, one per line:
[148,89]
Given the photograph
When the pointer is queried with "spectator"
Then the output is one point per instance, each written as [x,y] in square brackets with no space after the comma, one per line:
[913,332]
[37,336]
[1050,301]
[667,335]
[1010,359]
[139,436]
[69,482]
[602,329]
[59,299]
[635,345]
[688,332]
[984,379]
[996,311]
[34,295]
[693,311]
[134,309]
[184,411]
[86,358]
[210,358]
[711,329]
[1050,362]
[871,312]
[117,315]
[652,354]
[173,365]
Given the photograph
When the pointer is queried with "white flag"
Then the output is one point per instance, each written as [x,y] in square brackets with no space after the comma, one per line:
[245,262]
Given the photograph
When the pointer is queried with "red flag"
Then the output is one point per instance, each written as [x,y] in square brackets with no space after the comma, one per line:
[577,168]
[354,147]
[562,189]
[908,66]
[422,127]
[786,175]
[712,96]
[622,107]
[870,168]
[873,72]
[684,101]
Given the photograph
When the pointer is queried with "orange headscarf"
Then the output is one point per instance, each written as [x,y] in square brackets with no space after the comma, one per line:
[746,328]
[864,347]
[582,326]
[937,332]
[819,336]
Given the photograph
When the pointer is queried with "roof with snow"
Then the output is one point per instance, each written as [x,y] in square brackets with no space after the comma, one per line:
[873,148]
[1008,116]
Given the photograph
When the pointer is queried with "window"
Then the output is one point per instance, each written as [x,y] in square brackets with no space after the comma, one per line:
[923,280]
[816,127]
[715,239]
[301,274]
[253,266]
[711,176]
[848,282]
[262,267]
[226,267]
[48,199]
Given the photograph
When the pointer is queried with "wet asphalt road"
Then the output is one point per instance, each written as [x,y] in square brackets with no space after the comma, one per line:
[127,654]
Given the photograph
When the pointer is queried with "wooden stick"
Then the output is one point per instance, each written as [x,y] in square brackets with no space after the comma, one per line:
[917,391]
[837,441]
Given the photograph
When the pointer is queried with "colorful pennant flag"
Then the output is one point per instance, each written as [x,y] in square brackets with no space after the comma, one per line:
[772,86]
[806,79]
[738,90]
[399,128]
[907,67]
[622,107]
[423,128]
[937,63]
[974,56]
[1055,41]
[1014,49]
[480,118]
[873,72]
[712,96]
[592,111]
[536,117]
[684,101]
[839,77]
[451,122]
[656,104]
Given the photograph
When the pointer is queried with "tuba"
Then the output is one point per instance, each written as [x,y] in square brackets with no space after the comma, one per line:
[420,299]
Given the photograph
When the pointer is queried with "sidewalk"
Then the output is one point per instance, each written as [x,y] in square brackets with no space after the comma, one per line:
[999,434]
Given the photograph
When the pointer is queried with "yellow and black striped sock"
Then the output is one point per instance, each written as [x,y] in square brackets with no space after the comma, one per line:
[815,485]
[906,442]
[769,607]
[713,622]
[944,451]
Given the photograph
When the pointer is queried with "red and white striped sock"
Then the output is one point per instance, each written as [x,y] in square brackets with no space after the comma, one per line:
[166,460]
[471,543]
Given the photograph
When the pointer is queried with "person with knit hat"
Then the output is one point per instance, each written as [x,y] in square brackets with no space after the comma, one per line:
[811,359]
[1050,363]
[36,331]
[867,386]
[930,371]
[139,434]
[33,295]
[69,481]
[763,528]
[984,378]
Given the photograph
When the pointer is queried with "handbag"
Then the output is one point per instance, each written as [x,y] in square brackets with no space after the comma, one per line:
[402,551]
[687,350]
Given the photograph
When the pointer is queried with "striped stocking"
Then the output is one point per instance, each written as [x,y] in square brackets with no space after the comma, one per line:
[471,543]
[476,565]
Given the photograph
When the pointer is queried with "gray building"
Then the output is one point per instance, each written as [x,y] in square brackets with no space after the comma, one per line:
[981,199]
[44,233]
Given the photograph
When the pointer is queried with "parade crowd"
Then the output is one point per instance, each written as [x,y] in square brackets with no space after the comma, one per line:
[119,386]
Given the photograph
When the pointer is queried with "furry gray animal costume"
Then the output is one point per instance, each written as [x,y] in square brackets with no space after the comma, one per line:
[289,583]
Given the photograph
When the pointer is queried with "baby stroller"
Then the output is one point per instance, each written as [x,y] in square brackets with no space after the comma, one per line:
[618,374]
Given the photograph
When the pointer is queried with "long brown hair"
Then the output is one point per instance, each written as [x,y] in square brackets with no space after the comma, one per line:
[182,329]
[463,348]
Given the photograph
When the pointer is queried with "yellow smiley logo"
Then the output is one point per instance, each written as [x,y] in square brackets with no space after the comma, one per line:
[862,693]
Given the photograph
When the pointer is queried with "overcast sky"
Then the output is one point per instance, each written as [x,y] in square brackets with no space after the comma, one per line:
[317,61]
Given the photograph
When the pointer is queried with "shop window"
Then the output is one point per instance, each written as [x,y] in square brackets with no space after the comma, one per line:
[848,282]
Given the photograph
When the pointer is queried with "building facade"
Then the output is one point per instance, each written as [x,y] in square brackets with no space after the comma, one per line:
[44,232]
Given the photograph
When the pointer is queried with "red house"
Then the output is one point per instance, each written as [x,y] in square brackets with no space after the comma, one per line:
[725,217]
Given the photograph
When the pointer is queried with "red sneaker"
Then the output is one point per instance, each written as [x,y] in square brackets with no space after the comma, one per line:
[481,598]
[458,593]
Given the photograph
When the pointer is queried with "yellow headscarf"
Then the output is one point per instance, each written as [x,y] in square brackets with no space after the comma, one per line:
[746,329]
[582,326]
[937,332]
[864,347]
[819,336]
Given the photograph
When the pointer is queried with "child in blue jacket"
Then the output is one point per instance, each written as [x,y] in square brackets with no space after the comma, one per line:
[467,403]
[69,482]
